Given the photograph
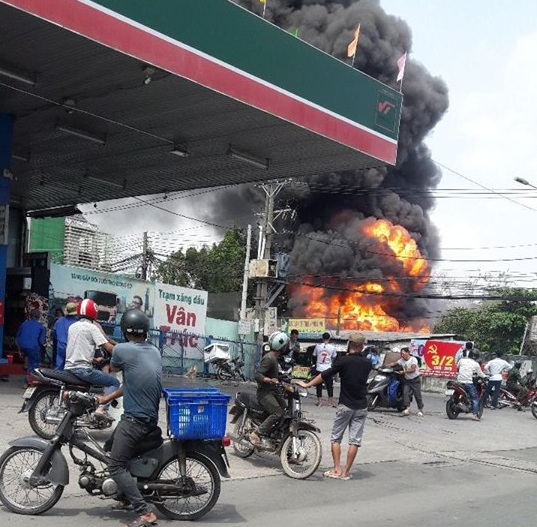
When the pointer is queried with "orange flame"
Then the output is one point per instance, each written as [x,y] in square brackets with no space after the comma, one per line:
[366,306]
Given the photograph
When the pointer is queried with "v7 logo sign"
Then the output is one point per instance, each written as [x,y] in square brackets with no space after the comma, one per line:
[385,107]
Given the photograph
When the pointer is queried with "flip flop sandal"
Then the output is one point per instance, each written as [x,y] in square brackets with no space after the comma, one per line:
[345,478]
[140,522]
[331,474]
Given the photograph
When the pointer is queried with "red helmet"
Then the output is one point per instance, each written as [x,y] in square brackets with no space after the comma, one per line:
[87,309]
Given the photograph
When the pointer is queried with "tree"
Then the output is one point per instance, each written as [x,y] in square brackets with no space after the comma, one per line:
[216,269]
[497,325]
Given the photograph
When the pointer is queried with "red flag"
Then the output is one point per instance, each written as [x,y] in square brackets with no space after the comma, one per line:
[401,62]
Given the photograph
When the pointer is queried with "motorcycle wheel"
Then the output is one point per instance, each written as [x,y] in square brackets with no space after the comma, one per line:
[481,408]
[204,476]
[241,450]
[16,465]
[45,401]
[534,410]
[310,455]
[222,374]
[451,409]
[373,401]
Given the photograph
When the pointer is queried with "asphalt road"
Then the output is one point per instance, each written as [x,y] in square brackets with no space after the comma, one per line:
[410,471]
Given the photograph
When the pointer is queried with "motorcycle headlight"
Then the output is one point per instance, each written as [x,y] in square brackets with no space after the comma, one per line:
[379,378]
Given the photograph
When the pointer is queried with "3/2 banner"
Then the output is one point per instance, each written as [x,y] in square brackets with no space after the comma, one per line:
[438,356]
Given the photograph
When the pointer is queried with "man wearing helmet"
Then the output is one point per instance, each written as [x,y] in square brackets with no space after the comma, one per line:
[82,339]
[468,368]
[514,381]
[141,365]
[268,395]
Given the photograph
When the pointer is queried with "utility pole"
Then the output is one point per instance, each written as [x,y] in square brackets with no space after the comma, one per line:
[145,257]
[271,191]
[245,275]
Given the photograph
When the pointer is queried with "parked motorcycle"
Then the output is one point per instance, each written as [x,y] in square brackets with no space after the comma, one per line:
[181,478]
[508,398]
[229,369]
[294,439]
[43,402]
[460,402]
[385,389]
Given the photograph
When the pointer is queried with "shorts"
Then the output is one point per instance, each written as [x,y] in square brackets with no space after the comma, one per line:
[354,420]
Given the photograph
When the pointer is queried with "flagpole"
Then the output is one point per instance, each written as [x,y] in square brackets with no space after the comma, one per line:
[264,7]
[353,56]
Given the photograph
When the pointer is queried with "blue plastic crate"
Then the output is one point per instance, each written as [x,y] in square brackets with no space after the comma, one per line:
[196,414]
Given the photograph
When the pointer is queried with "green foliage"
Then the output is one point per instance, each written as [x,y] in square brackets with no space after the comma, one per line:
[216,269]
[493,326]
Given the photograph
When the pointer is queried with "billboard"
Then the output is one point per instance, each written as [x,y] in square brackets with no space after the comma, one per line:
[112,293]
[438,356]
[181,312]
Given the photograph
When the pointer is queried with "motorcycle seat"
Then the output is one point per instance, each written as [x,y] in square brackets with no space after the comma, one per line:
[249,400]
[63,376]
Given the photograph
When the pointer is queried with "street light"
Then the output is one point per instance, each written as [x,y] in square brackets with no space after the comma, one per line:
[525,182]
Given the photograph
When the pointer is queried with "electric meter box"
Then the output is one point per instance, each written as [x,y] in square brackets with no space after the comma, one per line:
[216,351]
[263,269]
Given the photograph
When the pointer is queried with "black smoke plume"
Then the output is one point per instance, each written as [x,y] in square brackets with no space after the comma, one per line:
[400,194]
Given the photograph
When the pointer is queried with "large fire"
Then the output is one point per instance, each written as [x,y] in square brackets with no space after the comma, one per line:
[351,305]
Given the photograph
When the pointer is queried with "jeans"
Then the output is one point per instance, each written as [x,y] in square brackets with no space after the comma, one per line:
[275,405]
[493,387]
[128,434]
[471,390]
[97,378]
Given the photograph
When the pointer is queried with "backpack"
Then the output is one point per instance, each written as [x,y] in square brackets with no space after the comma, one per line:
[392,391]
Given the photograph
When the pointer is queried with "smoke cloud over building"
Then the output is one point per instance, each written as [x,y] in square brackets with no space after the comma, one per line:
[328,240]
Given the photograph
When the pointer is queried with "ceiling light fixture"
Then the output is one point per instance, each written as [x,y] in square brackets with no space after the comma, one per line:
[179,151]
[81,134]
[25,159]
[122,186]
[54,212]
[148,72]
[256,162]
[25,78]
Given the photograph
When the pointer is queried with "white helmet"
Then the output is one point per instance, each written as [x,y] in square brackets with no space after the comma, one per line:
[278,341]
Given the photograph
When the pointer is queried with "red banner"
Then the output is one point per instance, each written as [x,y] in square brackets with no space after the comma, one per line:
[439,357]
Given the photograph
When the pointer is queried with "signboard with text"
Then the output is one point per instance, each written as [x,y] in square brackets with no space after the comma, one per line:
[181,312]
[438,356]
[308,325]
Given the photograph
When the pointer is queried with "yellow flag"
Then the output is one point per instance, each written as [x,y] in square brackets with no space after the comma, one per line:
[262,1]
[351,49]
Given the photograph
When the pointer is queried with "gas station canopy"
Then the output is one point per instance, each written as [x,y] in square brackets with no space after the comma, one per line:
[118,98]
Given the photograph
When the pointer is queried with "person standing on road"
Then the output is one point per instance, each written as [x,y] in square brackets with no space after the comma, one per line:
[495,369]
[468,369]
[324,354]
[141,365]
[60,332]
[353,369]
[412,385]
[268,395]
[31,341]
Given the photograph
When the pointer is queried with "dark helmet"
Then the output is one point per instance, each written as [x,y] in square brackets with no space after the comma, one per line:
[134,322]
[469,345]
[473,354]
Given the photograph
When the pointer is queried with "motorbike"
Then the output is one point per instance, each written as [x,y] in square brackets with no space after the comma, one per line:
[181,478]
[385,389]
[508,398]
[294,439]
[459,401]
[229,369]
[44,405]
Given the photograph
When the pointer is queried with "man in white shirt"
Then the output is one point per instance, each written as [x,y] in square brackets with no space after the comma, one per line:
[324,354]
[468,368]
[412,384]
[494,369]
[82,339]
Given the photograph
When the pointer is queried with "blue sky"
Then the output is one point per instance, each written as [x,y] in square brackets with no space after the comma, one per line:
[486,52]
